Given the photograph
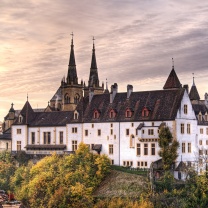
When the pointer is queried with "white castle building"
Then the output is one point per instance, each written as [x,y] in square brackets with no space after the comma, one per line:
[124,126]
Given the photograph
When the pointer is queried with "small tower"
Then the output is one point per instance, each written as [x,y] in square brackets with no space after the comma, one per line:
[172,81]
[93,77]
[194,95]
[70,91]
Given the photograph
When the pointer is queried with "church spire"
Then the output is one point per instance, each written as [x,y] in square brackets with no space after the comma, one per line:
[172,81]
[72,71]
[93,78]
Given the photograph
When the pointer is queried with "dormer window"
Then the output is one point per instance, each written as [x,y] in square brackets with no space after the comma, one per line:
[206,117]
[96,114]
[145,112]
[112,113]
[20,119]
[128,113]
[200,116]
[76,115]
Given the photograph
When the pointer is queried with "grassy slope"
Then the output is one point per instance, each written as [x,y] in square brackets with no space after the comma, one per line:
[120,184]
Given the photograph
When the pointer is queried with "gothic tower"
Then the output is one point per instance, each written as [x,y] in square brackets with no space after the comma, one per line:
[93,81]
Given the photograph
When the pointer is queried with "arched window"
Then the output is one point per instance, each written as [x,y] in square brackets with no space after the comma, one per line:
[112,113]
[20,119]
[200,116]
[76,98]
[128,113]
[66,98]
[96,114]
[132,141]
[145,112]
[76,115]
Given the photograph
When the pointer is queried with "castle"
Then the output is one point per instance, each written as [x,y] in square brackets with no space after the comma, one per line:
[124,126]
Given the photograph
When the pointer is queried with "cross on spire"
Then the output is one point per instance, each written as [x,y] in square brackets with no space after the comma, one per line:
[172,63]
[72,34]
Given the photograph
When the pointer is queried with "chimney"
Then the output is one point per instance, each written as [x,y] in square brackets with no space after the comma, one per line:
[114,90]
[186,87]
[91,94]
[206,99]
[129,90]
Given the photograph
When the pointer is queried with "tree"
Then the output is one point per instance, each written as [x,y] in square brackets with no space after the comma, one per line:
[168,147]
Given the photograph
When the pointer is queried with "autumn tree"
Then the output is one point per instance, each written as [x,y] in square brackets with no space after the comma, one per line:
[168,147]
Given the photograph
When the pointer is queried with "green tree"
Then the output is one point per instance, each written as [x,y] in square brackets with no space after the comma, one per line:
[168,147]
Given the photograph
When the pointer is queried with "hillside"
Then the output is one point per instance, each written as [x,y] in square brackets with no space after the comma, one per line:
[121,184]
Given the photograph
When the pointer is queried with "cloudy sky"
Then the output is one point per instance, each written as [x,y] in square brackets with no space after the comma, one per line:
[135,42]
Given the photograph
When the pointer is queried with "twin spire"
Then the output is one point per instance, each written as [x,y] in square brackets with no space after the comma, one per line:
[72,72]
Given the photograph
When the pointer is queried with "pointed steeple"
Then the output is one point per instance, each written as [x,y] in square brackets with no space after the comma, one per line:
[194,95]
[93,78]
[27,113]
[106,88]
[72,71]
[172,82]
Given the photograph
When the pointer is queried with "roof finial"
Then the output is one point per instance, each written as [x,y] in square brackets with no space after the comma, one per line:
[106,84]
[27,96]
[72,34]
[193,79]
[93,39]
[172,63]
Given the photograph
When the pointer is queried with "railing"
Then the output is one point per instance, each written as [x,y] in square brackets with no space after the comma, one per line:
[43,152]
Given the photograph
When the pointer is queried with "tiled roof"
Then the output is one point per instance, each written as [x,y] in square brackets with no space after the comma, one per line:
[194,95]
[172,81]
[163,105]
[6,135]
[181,166]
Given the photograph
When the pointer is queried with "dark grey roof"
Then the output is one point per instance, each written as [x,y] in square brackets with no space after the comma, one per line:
[172,81]
[97,147]
[140,126]
[57,95]
[194,95]
[6,135]
[162,104]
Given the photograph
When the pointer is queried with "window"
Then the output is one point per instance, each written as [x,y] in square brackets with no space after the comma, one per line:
[201,131]
[206,117]
[182,128]
[66,99]
[128,113]
[132,124]
[185,109]
[127,163]
[142,163]
[111,125]
[138,163]
[200,117]
[46,137]
[114,136]
[112,162]
[200,142]
[20,119]
[145,112]
[7,146]
[145,149]
[207,131]
[18,145]
[136,132]
[96,114]
[76,116]
[110,149]
[132,141]
[206,142]
[145,164]
[74,145]
[138,149]
[74,129]
[188,128]
[19,131]
[189,147]
[183,147]
[61,137]
[152,149]
[200,152]
[127,132]
[92,125]
[86,132]
[76,98]
[153,123]
[143,131]
[111,131]
[32,137]
[150,131]
[124,163]
[112,114]
[99,132]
